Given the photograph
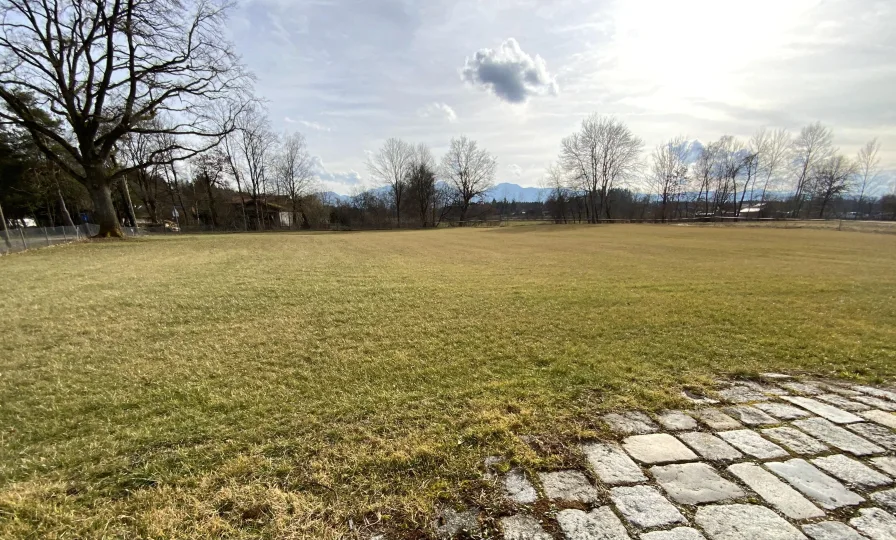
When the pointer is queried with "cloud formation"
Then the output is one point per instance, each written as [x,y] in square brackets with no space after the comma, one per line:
[509,72]
[306,123]
[438,110]
[331,179]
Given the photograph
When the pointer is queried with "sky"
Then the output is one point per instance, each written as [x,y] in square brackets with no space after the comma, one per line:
[518,76]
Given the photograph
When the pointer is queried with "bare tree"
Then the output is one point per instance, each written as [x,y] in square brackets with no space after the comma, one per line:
[603,153]
[295,173]
[392,165]
[556,183]
[773,150]
[421,183]
[811,147]
[669,172]
[831,178]
[100,69]
[209,175]
[867,167]
[254,144]
[470,170]
[703,173]
[729,166]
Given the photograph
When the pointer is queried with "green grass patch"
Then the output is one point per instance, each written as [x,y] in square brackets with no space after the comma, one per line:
[280,385]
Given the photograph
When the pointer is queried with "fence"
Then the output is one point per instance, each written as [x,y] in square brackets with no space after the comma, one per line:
[21,239]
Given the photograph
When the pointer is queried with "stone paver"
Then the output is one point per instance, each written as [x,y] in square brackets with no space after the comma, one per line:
[676,421]
[678,533]
[630,423]
[802,388]
[831,530]
[886,498]
[452,523]
[742,394]
[876,523]
[877,403]
[644,507]
[751,443]
[875,433]
[886,464]
[598,524]
[611,465]
[826,491]
[838,389]
[851,471]
[775,492]
[876,392]
[716,419]
[837,437]
[881,417]
[782,411]
[695,483]
[843,403]
[796,440]
[518,487]
[568,486]
[764,388]
[825,410]
[783,470]
[657,448]
[751,416]
[709,446]
[522,527]
[745,522]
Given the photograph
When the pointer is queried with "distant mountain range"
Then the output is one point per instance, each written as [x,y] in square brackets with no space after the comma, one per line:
[504,190]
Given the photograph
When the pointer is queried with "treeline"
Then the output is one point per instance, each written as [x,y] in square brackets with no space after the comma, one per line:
[772,175]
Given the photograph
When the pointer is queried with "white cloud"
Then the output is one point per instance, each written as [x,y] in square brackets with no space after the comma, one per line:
[438,110]
[340,182]
[509,72]
[306,123]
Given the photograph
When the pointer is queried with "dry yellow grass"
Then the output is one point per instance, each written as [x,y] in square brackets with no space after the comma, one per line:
[283,386]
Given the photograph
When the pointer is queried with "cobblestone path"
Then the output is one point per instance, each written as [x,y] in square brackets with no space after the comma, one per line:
[776,459]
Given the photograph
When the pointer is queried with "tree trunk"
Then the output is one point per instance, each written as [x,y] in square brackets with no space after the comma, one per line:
[213,213]
[5,230]
[129,205]
[103,209]
[66,217]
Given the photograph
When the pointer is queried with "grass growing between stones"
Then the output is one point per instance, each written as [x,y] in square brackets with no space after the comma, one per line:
[311,385]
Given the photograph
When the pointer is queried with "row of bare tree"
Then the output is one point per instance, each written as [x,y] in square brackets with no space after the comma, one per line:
[688,178]
[411,172]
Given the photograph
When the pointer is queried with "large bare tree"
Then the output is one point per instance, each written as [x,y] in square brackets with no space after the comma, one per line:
[812,146]
[601,155]
[831,177]
[80,75]
[295,173]
[867,167]
[391,165]
[773,150]
[254,144]
[669,172]
[470,170]
[421,183]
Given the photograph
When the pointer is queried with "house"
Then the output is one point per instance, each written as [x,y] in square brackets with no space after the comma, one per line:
[273,216]
[754,211]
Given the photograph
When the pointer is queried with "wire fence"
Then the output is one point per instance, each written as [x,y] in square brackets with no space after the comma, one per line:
[21,239]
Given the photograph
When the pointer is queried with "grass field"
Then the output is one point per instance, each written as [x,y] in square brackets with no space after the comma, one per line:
[287,385]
